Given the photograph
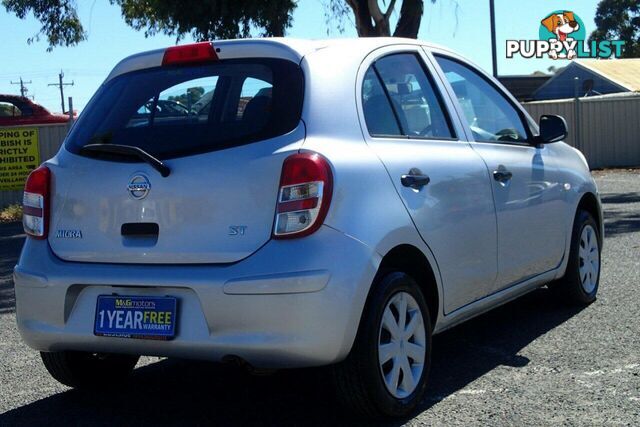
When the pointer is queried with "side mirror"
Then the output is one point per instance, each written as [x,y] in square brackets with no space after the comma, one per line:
[552,129]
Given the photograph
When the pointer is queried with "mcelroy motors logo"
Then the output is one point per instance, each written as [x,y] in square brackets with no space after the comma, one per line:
[562,35]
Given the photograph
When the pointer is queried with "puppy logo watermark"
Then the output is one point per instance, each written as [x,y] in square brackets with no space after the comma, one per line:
[563,30]
[562,35]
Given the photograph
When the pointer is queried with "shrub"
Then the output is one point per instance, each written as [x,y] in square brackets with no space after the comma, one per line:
[11,213]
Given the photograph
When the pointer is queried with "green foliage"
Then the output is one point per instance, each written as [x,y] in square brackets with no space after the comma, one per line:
[555,70]
[59,20]
[202,19]
[619,20]
[11,213]
[208,19]
[221,19]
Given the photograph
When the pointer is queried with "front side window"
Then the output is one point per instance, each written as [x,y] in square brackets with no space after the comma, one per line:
[399,97]
[490,115]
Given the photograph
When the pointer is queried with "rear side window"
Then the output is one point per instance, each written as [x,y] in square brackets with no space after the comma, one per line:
[399,98]
[178,111]
[379,116]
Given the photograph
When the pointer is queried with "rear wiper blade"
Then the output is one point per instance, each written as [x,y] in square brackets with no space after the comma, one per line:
[128,150]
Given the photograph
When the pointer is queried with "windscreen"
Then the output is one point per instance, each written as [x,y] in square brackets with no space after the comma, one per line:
[178,111]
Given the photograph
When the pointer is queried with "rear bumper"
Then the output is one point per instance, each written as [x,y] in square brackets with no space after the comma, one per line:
[294,303]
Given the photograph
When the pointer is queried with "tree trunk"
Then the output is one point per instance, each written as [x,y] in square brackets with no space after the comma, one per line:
[410,17]
[364,23]
[364,20]
[372,22]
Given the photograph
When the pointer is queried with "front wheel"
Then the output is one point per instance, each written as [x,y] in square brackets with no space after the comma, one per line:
[386,372]
[582,278]
[88,370]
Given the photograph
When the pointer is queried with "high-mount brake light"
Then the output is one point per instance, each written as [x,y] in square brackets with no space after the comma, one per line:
[36,203]
[189,54]
[306,186]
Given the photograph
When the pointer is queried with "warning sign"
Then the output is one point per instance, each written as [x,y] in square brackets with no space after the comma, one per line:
[19,155]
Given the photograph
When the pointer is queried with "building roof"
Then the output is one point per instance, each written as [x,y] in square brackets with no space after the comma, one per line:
[523,87]
[593,77]
[623,72]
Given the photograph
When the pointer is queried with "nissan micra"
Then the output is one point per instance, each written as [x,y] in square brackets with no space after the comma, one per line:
[287,203]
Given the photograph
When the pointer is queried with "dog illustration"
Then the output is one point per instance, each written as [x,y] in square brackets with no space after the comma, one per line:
[561,24]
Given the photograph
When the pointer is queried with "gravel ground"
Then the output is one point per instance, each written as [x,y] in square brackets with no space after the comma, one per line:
[530,362]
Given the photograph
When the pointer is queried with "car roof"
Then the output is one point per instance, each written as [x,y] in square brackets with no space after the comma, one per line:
[17,99]
[304,46]
[276,47]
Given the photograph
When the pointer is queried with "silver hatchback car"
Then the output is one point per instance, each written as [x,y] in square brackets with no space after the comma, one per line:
[288,203]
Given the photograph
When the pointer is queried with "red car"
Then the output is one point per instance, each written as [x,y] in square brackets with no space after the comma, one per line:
[17,110]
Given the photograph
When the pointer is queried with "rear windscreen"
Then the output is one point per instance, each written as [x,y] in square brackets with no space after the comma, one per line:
[177,111]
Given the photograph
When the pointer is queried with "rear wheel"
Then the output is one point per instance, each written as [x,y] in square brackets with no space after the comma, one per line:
[386,372]
[582,278]
[88,370]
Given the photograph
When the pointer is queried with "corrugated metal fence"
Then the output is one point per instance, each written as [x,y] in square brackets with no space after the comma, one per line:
[50,138]
[607,130]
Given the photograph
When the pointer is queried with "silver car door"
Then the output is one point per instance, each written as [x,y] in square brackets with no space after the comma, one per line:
[443,183]
[527,192]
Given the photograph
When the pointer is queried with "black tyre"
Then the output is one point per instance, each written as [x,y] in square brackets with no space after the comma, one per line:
[88,370]
[579,286]
[385,375]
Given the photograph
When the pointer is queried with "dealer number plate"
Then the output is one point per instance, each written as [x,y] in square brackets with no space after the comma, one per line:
[136,317]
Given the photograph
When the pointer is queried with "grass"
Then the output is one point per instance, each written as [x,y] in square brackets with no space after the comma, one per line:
[11,213]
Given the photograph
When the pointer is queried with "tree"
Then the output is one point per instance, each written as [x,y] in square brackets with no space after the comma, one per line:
[555,70]
[59,19]
[217,19]
[372,21]
[208,19]
[202,19]
[619,20]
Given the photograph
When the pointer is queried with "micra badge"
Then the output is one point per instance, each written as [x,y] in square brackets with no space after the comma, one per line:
[68,234]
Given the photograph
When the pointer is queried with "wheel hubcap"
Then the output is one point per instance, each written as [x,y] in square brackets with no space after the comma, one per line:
[401,345]
[589,255]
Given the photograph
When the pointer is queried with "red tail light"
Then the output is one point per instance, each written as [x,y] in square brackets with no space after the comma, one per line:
[36,201]
[189,54]
[306,185]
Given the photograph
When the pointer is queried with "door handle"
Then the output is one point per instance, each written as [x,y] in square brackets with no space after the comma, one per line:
[415,179]
[502,175]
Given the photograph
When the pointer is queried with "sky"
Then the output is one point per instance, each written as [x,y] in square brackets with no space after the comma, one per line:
[461,25]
